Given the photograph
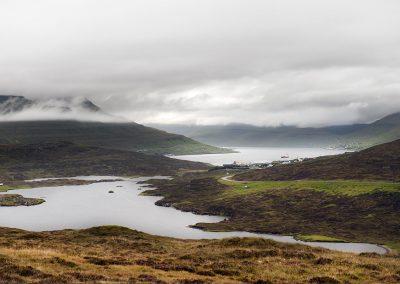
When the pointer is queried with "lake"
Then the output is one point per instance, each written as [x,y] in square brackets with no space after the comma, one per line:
[84,206]
[259,155]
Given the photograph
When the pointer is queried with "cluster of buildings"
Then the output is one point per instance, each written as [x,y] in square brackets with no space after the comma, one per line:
[245,166]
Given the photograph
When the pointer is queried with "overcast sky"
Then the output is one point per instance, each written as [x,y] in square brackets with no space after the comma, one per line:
[208,62]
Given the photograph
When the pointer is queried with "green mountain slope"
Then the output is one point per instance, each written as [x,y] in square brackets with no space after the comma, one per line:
[383,130]
[123,136]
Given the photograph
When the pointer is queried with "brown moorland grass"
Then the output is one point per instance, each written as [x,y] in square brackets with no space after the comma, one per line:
[116,254]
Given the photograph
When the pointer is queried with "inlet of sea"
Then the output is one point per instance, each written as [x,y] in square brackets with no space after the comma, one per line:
[260,155]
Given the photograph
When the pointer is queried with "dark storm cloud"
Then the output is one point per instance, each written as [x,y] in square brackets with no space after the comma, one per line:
[262,62]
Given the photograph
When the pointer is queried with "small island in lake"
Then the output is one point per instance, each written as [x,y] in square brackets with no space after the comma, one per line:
[18,200]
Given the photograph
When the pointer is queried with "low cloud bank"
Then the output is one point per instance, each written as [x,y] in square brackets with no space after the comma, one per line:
[304,63]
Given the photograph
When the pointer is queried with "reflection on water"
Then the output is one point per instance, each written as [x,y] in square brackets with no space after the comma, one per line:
[83,206]
[259,155]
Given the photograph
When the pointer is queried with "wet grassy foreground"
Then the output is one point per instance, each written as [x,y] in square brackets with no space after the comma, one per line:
[116,254]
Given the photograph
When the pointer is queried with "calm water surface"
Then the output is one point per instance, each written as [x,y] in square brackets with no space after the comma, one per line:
[83,206]
[259,155]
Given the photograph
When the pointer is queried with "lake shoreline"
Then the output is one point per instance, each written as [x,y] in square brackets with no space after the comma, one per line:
[229,233]
[182,196]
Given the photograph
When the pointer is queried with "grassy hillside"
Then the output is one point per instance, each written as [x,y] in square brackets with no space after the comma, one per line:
[380,162]
[123,136]
[62,159]
[346,210]
[118,255]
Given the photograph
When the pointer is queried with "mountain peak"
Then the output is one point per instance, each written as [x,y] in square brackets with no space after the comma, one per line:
[16,104]
[19,108]
[11,104]
[89,105]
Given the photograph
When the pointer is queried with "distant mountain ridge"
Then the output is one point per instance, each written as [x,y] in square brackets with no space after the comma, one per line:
[356,136]
[26,121]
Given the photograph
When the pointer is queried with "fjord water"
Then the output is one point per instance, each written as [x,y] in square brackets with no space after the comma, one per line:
[84,206]
[259,155]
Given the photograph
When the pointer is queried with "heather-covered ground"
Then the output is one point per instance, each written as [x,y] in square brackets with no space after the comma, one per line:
[116,254]
[342,209]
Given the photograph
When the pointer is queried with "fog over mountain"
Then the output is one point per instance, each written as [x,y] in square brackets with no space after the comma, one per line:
[304,63]
[19,108]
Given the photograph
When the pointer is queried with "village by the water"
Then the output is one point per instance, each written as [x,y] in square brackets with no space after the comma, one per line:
[285,159]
